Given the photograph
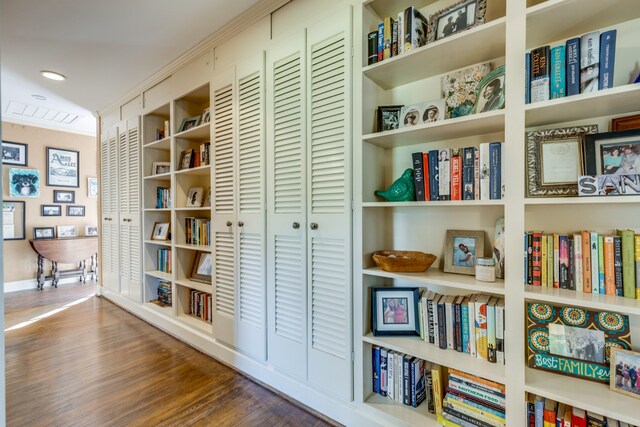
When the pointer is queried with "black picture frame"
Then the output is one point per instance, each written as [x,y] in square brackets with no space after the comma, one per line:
[60,174]
[189,122]
[40,229]
[439,29]
[44,208]
[595,144]
[9,151]
[19,208]
[72,210]
[401,318]
[384,125]
[58,196]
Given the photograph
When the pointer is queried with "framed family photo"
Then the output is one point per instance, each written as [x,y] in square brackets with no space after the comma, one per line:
[424,112]
[90,230]
[75,210]
[189,122]
[462,248]
[456,18]
[65,231]
[43,233]
[395,311]
[50,210]
[202,269]
[490,95]
[63,168]
[64,196]
[24,182]
[159,168]
[613,153]
[625,372]
[14,153]
[388,117]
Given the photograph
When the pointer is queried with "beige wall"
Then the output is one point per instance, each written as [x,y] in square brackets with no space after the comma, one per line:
[19,259]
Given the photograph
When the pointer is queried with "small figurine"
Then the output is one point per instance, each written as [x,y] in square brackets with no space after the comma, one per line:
[402,190]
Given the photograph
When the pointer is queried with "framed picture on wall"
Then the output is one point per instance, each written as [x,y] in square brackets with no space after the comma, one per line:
[43,233]
[92,187]
[67,231]
[63,168]
[50,210]
[14,153]
[13,219]
[75,210]
[24,182]
[63,196]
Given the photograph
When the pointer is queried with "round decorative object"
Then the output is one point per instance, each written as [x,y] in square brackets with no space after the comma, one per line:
[574,316]
[541,312]
[611,321]
[608,346]
[539,340]
[403,261]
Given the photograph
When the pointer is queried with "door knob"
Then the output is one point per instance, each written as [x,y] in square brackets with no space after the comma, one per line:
[229,224]
[313,226]
[296,225]
[240,224]
[106,219]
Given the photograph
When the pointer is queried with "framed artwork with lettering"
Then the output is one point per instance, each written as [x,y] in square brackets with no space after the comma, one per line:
[63,168]
[573,341]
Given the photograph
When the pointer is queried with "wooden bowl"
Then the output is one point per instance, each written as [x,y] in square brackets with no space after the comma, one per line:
[403,261]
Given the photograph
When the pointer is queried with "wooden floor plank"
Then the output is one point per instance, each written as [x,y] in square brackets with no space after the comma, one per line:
[93,364]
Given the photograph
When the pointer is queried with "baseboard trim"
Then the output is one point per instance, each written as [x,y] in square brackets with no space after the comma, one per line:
[25,285]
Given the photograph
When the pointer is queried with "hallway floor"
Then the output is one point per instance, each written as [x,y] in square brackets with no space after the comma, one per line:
[73,359]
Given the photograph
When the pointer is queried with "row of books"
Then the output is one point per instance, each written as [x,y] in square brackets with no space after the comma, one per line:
[164,260]
[193,159]
[394,37]
[467,324]
[460,173]
[163,198]
[200,305]
[586,262]
[197,231]
[583,64]
[542,412]
[164,292]
[399,376]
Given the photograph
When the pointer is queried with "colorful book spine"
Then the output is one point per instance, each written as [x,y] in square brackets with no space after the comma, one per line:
[573,66]
[418,385]
[563,265]
[444,164]
[601,287]
[550,262]
[464,314]
[383,371]
[586,261]
[476,174]
[558,72]
[375,354]
[609,266]
[617,265]
[394,38]
[391,374]
[418,176]
[540,74]
[400,32]
[637,263]
[628,263]
[481,326]
[572,265]
[536,258]
[500,332]
[472,326]
[595,279]
[589,62]
[380,41]
[491,330]
[495,171]
[556,260]
[388,35]
[527,78]
[434,175]
[436,320]
[456,174]
[577,261]
[544,260]
[442,322]
[468,156]
[425,173]
[407,361]
[450,325]
[607,58]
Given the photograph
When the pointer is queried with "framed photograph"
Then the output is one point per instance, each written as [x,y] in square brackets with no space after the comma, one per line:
[64,196]
[160,231]
[24,182]
[189,122]
[63,168]
[185,159]
[206,116]
[395,311]
[490,95]
[625,123]
[90,230]
[75,210]
[13,220]
[202,269]
[555,160]
[460,88]
[50,210]
[573,341]
[625,375]
[92,187]
[456,18]
[388,117]
[613,153]
[207,200]
[462,249]
[64,231]
[14,153]
[424,112]
[43,233]
[160,168]
[195,197]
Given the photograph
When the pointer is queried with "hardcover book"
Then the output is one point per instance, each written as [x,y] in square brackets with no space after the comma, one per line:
[415,25]
[601,287]
[577,262]
[427,183]
[418,176]
[434,175]
[628,273]
[468,157]
[540,74]
[536,258]
[558,72]
[444,155]
[400,22]
[481,326]
[617,266]
[380,41]
[372,45]
[527,78]
[500,331]
[589,62]
[607,58]
[491,330]
[388,36]
[595,272]
[495,183]
[573,66]
[456,174]
[383,371]
[586,261]
[485,168]
[394,38]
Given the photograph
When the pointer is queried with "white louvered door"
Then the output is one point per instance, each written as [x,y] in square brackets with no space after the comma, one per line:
[251,334]
[329,205]
[286,212]
[223,120]
[109,209]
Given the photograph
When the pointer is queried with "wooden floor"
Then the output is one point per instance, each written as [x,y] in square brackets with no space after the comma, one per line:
[85,362]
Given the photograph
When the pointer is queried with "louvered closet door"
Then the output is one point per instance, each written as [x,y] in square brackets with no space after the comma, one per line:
[109,210]
[329,204]
[223,202]
[250,219]
[286,216]
[130,234]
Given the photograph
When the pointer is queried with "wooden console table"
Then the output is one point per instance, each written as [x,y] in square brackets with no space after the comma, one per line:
[66,251]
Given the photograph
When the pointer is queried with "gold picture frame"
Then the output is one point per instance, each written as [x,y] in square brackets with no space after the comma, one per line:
[202,270]
[621,383]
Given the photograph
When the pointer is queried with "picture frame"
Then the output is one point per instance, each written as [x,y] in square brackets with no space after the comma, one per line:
[92,187]
[13,219]
[43,233]
[395,311]
[462,249]
[64,196]
[456,18]
[159,168]
[66,231]
[207,200]
[459,89]
[625,123]
[202,269]
[621,381]
[195,197]
[90,230]
[491,90]
[206,116]
[24,182]
[15,153]
[189,122]
[388,117]
[161,231]
[424,112]
[573,341]
[75,210]
[63,167]
[613,153]
[50,210]
[185,159]
[555,160]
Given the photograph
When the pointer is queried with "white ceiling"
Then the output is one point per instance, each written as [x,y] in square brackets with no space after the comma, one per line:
[105,48]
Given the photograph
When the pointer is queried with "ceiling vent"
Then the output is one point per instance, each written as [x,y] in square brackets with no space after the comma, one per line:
[23,110]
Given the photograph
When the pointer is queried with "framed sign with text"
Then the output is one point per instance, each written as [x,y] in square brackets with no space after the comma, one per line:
[63,168]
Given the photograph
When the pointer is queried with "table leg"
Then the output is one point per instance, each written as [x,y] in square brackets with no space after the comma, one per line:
[56,275]
[83,271]
[40,276]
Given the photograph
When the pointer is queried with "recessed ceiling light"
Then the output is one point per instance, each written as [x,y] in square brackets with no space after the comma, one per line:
[39,97]
[52,75]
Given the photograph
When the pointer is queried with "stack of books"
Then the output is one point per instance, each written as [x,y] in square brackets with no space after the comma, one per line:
[395,37]
[543,412]
[471,324]
[197,231]
[471,400]
[164,260]
[585,261]
[164,292]
[163,198]
[200,304]
[460,173]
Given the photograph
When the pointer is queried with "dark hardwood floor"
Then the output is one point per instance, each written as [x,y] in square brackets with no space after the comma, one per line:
[86,362]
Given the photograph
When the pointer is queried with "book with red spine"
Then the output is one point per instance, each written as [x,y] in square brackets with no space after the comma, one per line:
[425,173]
[536,258]
[456,174]
[609,267]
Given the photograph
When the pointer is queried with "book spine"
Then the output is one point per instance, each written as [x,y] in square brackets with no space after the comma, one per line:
[503,173]
[544,260]
[470,420]
[500,334]
[434,175]
[628,263]
[388,30]
[558,72]
[394,38]
[589,62]
[601,287]
[525,277]
[637,263]
[536,259]
[408,28]
[486,411]
[484,171]
[586,261]
[467,173]
[464,322]
[376,368]
[472,327]
[476,174]
[573,66]
[458,331]
[428,385]
[527,78]
[436,378]
[445,174]
[430,323]
[495,184]
[617,266]
[481,330]
[442,326]
[491,333]
[383,371]
[418,386]
[540,74]
[422,308]
[595,279]
[400,32]
[391,375]
[472,411]
[539,408]
[449,322]
[577,261]
[551,261]
[380,41]
[471,391]
[418,176]
[607,58]
[609,267]
[572,265]
[399,377]
[556,260]
[529,259]
[563,242]
[456,176]
[425,173]
[406,377]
